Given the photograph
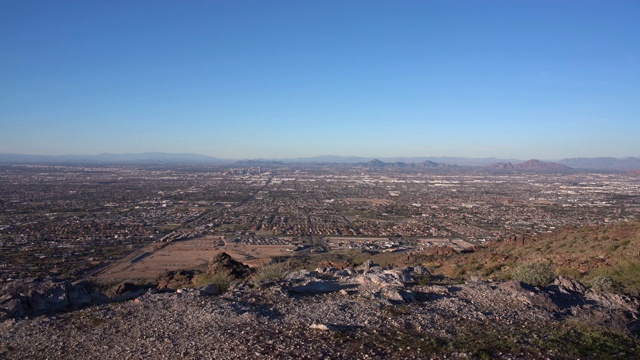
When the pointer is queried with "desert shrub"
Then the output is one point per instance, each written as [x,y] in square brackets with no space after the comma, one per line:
[603,283]
[535,274]
[221,280]
[271,272]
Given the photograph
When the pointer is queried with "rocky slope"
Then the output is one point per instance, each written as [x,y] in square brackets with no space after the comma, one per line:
[366,312]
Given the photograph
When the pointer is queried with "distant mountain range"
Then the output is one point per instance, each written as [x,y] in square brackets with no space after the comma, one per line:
[601,163]
[530,165]
[141,158]
[329,159]
[377,164]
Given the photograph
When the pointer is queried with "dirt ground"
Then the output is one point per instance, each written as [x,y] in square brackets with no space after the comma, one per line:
[156,258]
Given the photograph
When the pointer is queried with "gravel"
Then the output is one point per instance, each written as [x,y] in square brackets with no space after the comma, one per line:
[272,323]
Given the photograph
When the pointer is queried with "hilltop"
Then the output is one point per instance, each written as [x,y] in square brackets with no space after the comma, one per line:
[345,311]
[352,313]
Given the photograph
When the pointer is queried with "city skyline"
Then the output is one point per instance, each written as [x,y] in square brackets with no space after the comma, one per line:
[291,79]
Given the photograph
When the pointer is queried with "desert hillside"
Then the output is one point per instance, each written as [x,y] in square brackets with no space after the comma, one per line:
[353,313]
[584,253]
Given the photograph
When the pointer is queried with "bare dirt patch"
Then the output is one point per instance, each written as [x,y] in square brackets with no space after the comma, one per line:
[157,258]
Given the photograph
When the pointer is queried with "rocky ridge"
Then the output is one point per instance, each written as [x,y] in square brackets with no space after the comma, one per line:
[363,312]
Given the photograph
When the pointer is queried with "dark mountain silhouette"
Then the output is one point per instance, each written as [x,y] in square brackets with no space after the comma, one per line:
[376,163]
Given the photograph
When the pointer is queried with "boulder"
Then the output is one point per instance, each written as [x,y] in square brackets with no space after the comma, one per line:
[368,266]
[389,278]
[79,296]
[567,284]
[47,296]
[209,290]
[388,284]
[35,296]
[322,327]
[529,295]
[12,308]
[300,276]
[175,279]
[319,287]
[345,272]
[223,263]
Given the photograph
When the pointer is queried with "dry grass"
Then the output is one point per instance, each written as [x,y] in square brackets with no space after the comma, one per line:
[582,253]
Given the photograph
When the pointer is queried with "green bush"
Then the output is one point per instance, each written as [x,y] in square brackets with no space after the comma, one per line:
[535,274]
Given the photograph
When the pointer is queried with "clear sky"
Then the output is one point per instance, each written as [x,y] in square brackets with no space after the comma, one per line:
[255,79]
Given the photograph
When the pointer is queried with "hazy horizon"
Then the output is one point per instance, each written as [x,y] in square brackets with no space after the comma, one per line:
[291,79]
[323,156]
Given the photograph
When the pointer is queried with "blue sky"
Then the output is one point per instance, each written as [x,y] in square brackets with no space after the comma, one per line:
[249,79]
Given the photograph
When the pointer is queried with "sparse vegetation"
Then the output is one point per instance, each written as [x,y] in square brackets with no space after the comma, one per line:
[603,283]
[271,272]
[535,274]
[625,277]
[573,252]
[479,341]
[221,280]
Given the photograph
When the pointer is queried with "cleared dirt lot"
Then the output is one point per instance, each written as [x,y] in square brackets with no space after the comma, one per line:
[156,258]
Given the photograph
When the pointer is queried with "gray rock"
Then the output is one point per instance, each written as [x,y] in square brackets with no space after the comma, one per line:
[392,294]
[12,309]
[209,290]
[319,287]
[529,295]
[322,327]
[344,273]
[366,266]
[408,296]
[567,283]
[301,275]
[78,296]
[419,270]
[385,279]
[4,298]
[48,296]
